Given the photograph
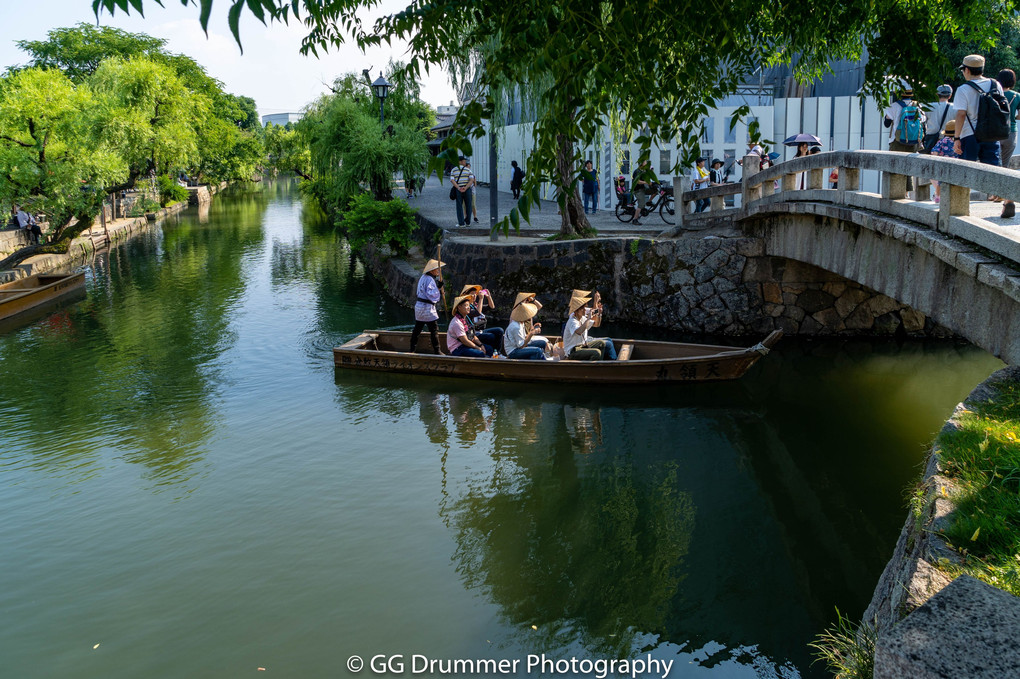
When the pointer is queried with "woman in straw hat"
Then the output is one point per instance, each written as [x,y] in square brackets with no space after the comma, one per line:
[520,340]
[460,338]
[577,346]
[490,337]
[425,308]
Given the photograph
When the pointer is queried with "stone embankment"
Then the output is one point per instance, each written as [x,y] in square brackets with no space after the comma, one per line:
[926,623]
[97,237]
[714,284]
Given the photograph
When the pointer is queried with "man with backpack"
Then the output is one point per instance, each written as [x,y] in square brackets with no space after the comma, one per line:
[982,118]
[905,121]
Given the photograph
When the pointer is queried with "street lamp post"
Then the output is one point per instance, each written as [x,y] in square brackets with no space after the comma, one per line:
[381,88]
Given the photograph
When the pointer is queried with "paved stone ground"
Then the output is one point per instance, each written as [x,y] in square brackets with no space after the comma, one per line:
[435,205]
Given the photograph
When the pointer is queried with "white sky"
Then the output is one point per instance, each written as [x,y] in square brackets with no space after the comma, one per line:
[272,71]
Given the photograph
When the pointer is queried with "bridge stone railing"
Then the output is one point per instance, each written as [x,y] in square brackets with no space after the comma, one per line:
[760,191]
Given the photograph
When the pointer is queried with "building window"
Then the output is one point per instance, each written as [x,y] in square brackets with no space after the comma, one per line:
[707,131]
[665,162]
[730,133]
[625,165]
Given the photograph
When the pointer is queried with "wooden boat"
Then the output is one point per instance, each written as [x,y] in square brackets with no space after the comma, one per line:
[640,362]
[27,293]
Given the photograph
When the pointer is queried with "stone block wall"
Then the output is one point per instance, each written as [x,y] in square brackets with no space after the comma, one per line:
[709,285]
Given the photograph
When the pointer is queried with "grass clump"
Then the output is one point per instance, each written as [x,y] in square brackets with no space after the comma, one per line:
[847,649]
[982,456]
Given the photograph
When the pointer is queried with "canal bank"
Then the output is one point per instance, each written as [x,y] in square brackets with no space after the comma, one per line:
[96,237]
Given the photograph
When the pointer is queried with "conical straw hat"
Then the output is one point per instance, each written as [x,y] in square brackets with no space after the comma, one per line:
[523,312]
[432,264]
[470,289]
[457,301]
[581,293]
[577,302]
[521,296]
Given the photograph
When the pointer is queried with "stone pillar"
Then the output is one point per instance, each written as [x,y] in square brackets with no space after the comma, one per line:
[815,178]
[718,203]
[922,191]
[955,202]
[789,182]
[748,192]
[894,186]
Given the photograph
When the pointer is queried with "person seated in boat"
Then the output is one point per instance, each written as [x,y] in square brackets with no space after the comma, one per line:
[521,340]
[577,346]
[490,337]
[460,338]
[425,308]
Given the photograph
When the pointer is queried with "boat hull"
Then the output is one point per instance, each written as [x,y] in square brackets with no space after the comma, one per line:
[651,362]
[28,293]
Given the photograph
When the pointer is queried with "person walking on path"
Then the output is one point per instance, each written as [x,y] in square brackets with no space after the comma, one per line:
[1007,78]
[516,180]
[590,184]
[700,179]
[463,183]
[966,103]
[940,112]
[716,176]
[425,307]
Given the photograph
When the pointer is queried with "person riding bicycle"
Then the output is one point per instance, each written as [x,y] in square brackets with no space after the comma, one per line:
[641,190]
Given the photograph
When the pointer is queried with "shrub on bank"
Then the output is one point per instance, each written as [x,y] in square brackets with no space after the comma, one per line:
[382,222]
[170,191]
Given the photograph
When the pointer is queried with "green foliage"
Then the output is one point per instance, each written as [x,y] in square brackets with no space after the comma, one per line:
[848,650]
[170,191]
[999,46]
[143,205]
[287,150]
[983,457]
[349,150]
[389,223]
[78,51]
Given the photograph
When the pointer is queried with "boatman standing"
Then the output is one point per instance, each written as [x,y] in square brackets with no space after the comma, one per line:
[425,308]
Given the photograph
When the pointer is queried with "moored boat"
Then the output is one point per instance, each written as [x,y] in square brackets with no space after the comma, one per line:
[640,361]
[30,292]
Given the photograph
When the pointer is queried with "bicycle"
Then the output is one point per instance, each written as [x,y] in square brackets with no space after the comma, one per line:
[661,200]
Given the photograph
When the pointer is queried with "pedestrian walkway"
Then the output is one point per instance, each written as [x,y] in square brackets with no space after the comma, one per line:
[434,204]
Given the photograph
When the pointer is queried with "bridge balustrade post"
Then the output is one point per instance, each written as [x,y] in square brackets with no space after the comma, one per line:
[681,185]
[748,192]
[922,189]
[789,182]
[894,186]
[768,188]
[849,180]
[955,202]
[815,179]
[718,203]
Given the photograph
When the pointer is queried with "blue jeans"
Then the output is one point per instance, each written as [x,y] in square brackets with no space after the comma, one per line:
[491,338]
[464,350]
[535,351]
[986,152]
[592,198]
[610,350]
[464,207]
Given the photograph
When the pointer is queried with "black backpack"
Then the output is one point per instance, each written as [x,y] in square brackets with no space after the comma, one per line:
[993,113]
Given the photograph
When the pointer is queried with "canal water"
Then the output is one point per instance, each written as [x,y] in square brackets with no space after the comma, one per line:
[188,489]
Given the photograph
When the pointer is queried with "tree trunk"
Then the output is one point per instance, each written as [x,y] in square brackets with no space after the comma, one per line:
[60,244]
[573,221]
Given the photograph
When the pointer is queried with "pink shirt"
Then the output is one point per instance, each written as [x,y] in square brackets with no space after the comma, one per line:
[457,329]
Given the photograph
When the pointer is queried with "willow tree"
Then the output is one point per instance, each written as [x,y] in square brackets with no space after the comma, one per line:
[659,66]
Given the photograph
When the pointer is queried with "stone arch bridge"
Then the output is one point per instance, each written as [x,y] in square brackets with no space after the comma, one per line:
[960,270]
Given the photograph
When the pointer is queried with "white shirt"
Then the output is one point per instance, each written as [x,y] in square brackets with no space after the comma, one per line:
[427,289]
[931,125]
[514,336]
[699,175]
[966,99]
[575,332]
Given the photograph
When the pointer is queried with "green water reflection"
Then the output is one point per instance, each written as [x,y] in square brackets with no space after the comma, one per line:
[186,479]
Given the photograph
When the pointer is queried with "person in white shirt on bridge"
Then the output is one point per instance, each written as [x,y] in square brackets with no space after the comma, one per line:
[966,103]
